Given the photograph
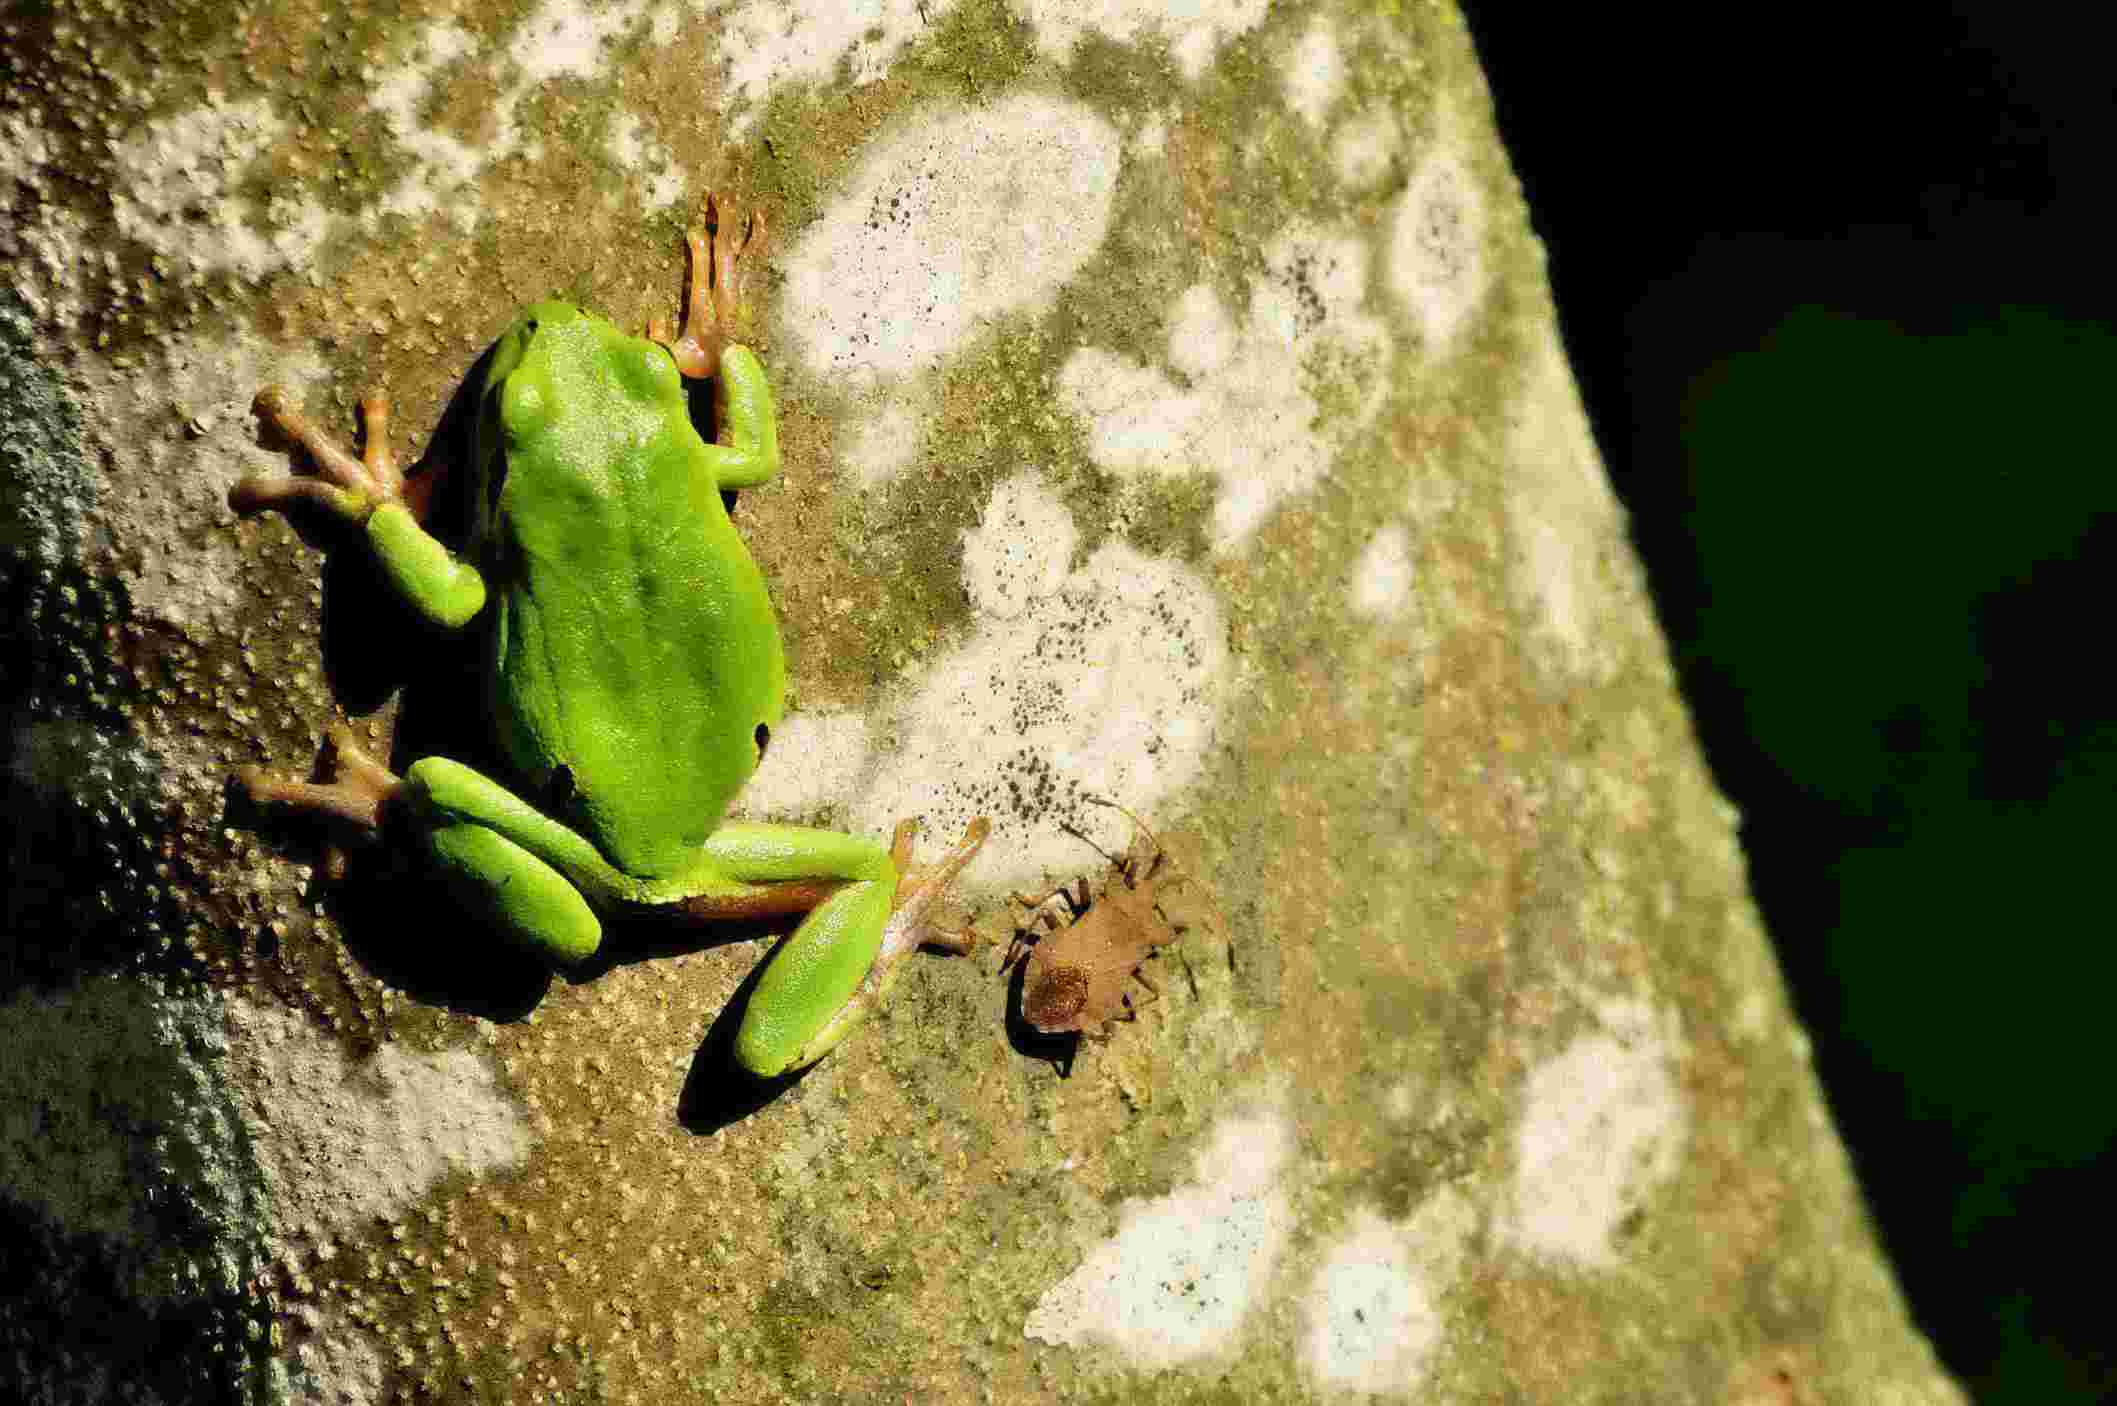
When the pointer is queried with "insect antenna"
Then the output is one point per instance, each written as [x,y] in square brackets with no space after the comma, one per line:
[1127,813]
[1082,836]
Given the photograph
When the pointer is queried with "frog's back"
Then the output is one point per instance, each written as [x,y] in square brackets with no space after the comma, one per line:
[635,652]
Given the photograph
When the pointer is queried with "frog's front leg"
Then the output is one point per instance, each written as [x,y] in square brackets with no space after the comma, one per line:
[370,493]
[712,305]
[843,958]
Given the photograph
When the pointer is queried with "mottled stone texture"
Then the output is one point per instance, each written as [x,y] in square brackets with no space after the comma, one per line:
[1173,414]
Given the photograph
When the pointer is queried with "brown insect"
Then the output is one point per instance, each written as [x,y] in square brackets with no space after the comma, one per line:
[1076,971]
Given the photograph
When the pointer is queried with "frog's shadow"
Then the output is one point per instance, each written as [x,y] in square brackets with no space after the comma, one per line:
[717,1091]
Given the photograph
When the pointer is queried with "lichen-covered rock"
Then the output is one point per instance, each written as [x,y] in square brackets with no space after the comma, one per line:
[1173,413]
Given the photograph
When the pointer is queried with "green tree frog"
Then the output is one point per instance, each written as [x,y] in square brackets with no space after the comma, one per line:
[632,663]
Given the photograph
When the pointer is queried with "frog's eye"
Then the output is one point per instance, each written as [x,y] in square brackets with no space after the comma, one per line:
[764,740]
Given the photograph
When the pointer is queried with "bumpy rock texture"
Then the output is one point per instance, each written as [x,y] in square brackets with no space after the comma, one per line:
[1173,413]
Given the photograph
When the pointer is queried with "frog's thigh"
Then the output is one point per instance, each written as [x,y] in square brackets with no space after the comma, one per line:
[771,854]
[514,891]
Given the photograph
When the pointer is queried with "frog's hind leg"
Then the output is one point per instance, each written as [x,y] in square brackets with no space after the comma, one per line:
[842,959]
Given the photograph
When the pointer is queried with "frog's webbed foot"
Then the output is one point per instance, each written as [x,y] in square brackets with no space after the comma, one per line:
[356,790]
[713,296]
[347,487]
[920,890]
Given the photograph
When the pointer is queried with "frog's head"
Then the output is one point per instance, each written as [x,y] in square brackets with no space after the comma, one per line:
[501,363]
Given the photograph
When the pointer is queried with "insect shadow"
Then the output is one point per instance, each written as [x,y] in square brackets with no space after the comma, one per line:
[717,1091]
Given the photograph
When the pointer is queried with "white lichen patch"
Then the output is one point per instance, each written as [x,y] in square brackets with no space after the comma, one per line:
[954,219]
[42,254]
[1249,409]
[567,38]
[1382,577]
[656,180]
[883,437]
[1174,1282]
[1373,1306]
[1563,517]
[1150,137]
[1603,1124]
[1437,265]
[812,764]
[177,189]
[342,1142]
[1313,74]
[1193,30]
[28,259]
[1363,147]
[442,163]
[25,149]
[176,433]
[766,43]
[1020,551]
[1104,681]
[558,39]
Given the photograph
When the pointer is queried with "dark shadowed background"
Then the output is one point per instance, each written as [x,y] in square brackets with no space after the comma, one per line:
[1836,282]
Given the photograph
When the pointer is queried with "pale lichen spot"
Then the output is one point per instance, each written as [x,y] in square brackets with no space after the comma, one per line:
[1020,550]
[1253,412]
[178,190]
[657,181]
[1373,1305]
[1603,1125]
[811,764]
[1194,30]
[956,218]
[1104,681]
[1563,516]
[1314,73]
[1363,147]
[1107,684]
[558,39]
[1174,1282]
[441,162]
[1150,137]
[765,43]
[567,39]
[1382,578]
[342,1142]
[166,484]
[41,252]
[884,437]
[1438,269]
